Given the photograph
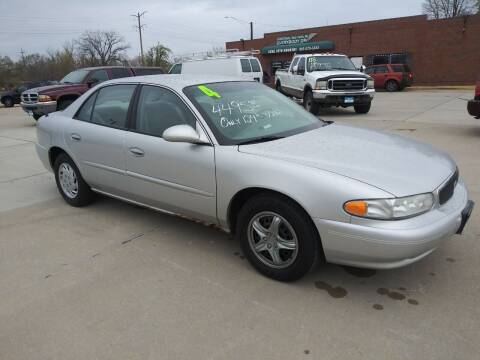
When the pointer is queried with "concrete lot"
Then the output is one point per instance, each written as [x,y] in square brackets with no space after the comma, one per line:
[114,281]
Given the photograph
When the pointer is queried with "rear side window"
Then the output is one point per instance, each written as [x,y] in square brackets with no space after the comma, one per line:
[111,106]
[158,109]
[120,73]
[255,65]
[147,71]
[176,69]
[85,112]
[246,66]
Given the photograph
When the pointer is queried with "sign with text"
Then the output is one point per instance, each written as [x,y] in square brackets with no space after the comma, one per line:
[295,39]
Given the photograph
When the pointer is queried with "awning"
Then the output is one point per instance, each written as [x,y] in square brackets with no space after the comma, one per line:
[309,46]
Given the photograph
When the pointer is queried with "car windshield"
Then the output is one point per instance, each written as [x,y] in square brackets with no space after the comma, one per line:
[247,112]
[326,63]
[75,77]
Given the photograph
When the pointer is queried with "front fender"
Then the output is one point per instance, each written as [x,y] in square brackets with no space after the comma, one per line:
[320,193]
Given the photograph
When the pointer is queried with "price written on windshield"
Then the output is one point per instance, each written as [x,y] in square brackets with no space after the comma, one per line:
[242,113]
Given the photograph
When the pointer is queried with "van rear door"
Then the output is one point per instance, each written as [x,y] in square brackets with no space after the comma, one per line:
[248,66]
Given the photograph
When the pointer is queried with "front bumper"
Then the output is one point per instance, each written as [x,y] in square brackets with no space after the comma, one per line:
[474,108]
[39,108]
[390,244]
[339,97]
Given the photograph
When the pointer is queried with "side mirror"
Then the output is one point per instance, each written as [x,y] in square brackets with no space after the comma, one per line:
[92,82]
[294,69]
[182,133]
[362,68]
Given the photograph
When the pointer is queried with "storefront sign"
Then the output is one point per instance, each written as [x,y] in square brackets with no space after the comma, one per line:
[295,39]
[302,47]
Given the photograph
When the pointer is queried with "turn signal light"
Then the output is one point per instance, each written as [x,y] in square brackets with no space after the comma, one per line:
[356,208]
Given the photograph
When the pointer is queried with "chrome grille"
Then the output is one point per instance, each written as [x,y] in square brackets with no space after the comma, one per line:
[446,192]
[347,84]
[29,98]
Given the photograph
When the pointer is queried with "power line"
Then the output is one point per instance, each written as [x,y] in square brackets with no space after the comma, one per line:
[140,27]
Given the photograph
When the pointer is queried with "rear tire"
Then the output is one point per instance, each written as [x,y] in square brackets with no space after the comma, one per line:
[8,102]
[392,86]
[309,104]
[362,109]
[277,237]
[74,190]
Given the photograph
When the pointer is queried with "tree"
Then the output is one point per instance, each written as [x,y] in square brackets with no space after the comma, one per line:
[447,9]
[159,56]
[99,48]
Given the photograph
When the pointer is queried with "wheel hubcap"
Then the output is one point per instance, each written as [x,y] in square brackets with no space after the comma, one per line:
[272,239]
[68,180]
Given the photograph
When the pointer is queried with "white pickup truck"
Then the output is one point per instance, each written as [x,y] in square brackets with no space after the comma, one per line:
[325,80]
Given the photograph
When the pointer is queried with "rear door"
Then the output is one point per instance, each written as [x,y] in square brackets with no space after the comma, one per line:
[97,134]
[380,75]
[246,68]
[177,177]
[257,72]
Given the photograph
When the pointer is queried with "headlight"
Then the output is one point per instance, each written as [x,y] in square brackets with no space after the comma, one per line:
[390,209]
[370,84]
[44,98]
[321,85]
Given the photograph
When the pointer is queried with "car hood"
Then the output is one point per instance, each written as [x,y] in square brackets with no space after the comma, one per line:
[390,162]
[54,88]
[338,73]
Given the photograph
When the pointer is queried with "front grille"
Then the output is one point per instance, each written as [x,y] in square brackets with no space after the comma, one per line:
[29,98]
[347,84]
[446,192]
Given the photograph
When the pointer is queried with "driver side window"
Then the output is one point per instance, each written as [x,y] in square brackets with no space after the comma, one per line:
[158,109]
[301,65]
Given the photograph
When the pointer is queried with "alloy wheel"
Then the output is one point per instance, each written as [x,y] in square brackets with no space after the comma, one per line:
[68,180]
[273,240]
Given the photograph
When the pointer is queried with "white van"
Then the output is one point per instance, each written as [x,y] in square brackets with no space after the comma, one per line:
[245,67]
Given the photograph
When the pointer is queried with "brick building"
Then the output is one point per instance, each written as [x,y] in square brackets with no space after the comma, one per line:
[440,52]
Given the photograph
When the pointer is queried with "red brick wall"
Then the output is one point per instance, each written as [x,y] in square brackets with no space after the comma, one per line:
[443,52]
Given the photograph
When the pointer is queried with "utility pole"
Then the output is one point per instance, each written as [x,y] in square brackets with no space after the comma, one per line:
[138,15]
[251,30]
[23,57]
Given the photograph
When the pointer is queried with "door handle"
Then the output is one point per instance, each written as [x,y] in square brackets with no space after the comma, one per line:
[75,137]
[136,152]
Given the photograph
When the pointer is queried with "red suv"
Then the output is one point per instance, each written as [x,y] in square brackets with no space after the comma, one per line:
[392,77]
[474,105]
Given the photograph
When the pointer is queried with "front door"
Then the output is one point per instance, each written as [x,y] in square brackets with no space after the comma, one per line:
[96,138]
[177,177]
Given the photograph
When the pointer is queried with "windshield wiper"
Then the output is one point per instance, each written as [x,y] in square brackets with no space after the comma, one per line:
[260,140]
[339,68]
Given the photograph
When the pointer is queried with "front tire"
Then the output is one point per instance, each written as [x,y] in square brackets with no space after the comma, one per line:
[362,109]
[8,102]
[277,237]
[62,105]
[74,190]
[309,103]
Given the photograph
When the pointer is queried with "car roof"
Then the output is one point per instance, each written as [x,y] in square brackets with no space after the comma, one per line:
[175,81]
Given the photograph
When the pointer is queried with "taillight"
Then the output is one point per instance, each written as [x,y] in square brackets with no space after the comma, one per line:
[410,75]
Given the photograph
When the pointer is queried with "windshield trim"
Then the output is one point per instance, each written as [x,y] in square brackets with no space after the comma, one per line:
[221,140]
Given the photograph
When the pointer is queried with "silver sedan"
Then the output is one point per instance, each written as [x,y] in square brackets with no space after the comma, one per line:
[294,189]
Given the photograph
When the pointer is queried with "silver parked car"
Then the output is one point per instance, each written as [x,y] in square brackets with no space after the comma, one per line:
[294,189]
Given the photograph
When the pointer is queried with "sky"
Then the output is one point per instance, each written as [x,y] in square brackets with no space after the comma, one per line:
[184,26]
